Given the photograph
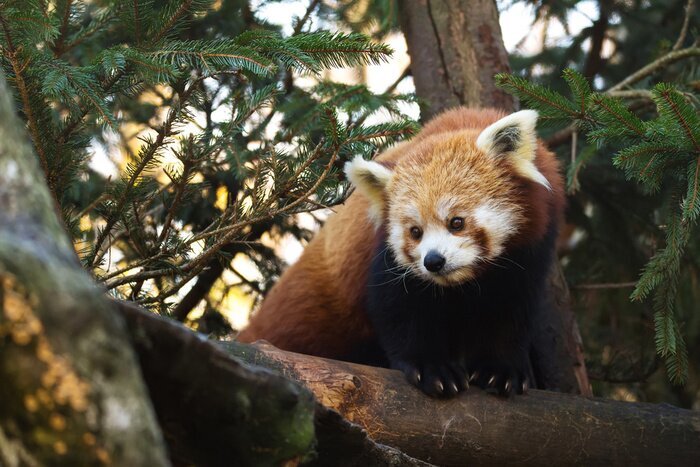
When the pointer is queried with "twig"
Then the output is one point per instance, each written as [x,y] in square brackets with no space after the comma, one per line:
[92,205]
[689,9]
[179,193]
[631,94]
[662,62]
[604,286]
[392,87]
[300,24]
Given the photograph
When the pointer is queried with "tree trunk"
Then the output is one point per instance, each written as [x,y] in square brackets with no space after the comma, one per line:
[475,428]
[456,48]
[70,391]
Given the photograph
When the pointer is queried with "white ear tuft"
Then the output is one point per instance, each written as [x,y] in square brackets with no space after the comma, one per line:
[371,179]
[515,137]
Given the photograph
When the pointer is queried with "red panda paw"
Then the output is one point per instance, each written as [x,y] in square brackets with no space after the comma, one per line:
[501,379]
[436,380]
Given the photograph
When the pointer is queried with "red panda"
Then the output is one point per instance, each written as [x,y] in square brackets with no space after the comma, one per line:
[436,265]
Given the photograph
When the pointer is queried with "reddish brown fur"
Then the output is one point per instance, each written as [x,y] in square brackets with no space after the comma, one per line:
[317,305]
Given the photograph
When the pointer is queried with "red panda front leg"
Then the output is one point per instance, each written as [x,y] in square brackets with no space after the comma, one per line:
[413,331]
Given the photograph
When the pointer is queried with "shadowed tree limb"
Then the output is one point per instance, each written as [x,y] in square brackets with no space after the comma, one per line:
[215,410]
[474,428]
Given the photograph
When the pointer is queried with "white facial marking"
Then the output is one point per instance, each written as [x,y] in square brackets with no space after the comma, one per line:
[396,239]
[459,252]
[444,206]
[498,222]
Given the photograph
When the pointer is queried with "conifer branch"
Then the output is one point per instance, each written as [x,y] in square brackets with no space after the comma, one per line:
[163,132]
[182,9]
[680,118]
[12,55]
[600,102]
[200,263]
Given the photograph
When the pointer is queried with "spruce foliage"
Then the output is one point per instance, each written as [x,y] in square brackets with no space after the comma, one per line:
[216,144]
[661,150]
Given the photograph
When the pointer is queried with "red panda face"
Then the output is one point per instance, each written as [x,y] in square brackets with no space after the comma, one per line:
[453,201]
[451,209]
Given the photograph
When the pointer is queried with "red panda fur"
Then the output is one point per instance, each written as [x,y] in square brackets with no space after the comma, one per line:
[317,306]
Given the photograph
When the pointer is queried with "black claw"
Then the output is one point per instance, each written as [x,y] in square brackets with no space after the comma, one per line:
[417,376]
[466,383]
[454,387]
[507,386]
[525,386]
[474,376]
[492,380]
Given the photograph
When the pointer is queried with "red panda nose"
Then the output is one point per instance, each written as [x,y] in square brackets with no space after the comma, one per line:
[434,261]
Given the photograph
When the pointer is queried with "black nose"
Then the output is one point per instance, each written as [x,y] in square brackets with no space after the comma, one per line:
[434,261]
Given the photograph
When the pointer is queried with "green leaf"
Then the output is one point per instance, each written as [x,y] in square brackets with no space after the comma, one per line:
[212,56]
[580,87]
[680,117]
[549,103]
[691,202]
[615,119]
[337,50]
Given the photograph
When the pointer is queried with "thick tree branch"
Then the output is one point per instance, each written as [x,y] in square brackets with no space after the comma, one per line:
[215,410]
[192,387]
[478,428]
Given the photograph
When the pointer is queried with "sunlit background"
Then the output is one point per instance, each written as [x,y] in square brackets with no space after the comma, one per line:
[232,295]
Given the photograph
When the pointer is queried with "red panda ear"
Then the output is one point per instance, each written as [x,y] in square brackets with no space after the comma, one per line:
[514,137]
[371,179]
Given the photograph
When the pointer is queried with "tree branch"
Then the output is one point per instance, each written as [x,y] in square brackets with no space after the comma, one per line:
[215,410]
[689,10]
[474,428]
[479,428]
[662,62]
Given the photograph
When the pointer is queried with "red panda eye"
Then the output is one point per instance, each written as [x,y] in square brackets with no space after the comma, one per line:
[456,223]
[416,233]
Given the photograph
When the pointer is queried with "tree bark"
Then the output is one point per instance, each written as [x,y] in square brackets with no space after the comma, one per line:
[214,410]
[456,48]
[70,391]
[539,428]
